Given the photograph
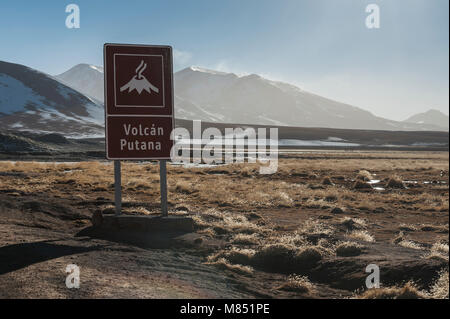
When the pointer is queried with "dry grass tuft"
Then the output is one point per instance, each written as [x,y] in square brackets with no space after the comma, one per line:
[338,210]
[349,249]
[245,239]
[284,258]
[440,248]
[208,232]
[359,184]
[248,171]
[143,211]
[313,227]
[439,251]
[235,256]
[353,223]
[395,182]
[223,264]
[327,181]
[364,176]
[410,244]
[307,256]
[240,224]
[404,242]
[362,235]
[399,238]
[408,291]
[407,227]
[184,187]
[200,223]
[296,283]
[439,290]
[227,223]
[282,199]
[434,228]
[293,239]
[275,256]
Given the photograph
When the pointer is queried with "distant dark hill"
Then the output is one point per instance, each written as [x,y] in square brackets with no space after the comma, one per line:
[16,145]
[53,138]
[26,145]
[334,137]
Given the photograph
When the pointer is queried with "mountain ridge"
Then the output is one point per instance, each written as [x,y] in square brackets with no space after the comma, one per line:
[432,116]
[32,100]
[216,96]
[256,100]
[85,78]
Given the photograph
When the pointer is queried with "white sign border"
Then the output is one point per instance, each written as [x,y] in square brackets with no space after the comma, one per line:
[116,84]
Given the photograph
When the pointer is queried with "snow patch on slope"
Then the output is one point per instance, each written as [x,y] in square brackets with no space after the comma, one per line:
[14,95]
[96,68]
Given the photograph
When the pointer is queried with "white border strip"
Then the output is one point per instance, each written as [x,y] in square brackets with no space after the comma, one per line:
[163,82]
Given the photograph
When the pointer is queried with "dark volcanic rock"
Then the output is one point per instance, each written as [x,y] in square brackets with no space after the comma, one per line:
[53,138]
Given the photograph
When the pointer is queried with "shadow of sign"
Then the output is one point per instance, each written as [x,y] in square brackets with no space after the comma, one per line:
[18,256]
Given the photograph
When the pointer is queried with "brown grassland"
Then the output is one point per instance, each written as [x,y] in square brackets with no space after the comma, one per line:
[307,231]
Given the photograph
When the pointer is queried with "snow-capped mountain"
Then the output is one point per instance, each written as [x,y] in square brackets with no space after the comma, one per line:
[225,97]
[34,101]
[67,103]
[431,117]
[214,96]
[85,78]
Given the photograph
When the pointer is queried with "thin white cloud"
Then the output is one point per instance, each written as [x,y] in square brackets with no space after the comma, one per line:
[226,67]
[181,58]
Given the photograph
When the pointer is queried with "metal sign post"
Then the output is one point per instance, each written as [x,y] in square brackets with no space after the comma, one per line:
[138,108]
[163,186]
[117,187]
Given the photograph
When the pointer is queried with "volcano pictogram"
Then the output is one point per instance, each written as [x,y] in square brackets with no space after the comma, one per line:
[139,82]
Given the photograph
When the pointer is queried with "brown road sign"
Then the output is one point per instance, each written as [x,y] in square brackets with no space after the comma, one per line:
[138,101]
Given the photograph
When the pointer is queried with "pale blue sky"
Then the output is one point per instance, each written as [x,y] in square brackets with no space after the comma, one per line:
[323,46]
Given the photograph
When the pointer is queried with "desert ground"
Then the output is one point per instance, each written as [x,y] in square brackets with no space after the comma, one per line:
[307,231]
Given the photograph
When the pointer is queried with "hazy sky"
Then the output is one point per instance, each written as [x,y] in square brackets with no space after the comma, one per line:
[323,46]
